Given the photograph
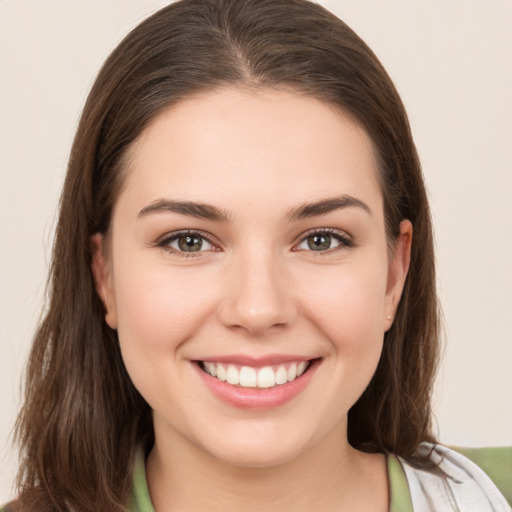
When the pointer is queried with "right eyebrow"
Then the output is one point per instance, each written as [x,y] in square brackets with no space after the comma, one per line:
[325,206]
[191,208]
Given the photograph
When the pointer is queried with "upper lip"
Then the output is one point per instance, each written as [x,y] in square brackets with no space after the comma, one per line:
[256,361]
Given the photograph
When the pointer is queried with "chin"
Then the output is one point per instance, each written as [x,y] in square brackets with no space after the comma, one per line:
[258,450]
[261,457]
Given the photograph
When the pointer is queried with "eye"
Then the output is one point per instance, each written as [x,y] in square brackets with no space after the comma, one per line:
[186,243]
[323,241]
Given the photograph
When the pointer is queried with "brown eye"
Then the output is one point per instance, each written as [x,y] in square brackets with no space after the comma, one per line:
[324,241]
[190,243]
[319,242]
[186,242]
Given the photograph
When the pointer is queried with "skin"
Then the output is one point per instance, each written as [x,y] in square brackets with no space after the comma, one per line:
[256,288]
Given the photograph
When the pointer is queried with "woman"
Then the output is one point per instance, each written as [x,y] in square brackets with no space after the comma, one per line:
[243,310]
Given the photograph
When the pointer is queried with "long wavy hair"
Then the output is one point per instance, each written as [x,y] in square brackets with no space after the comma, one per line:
[82,418]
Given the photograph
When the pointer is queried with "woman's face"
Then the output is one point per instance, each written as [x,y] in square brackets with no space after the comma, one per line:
[248,244]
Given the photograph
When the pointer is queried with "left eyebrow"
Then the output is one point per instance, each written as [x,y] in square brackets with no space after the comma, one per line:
[325,206]
[191,208]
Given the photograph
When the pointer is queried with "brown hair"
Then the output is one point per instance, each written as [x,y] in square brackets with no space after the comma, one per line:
[82,417]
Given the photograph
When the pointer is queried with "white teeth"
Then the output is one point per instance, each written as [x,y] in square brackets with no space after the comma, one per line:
[233,375]
[292,372]
[221,372]
[266,377]
[211,369]
[248,377]
[281,377]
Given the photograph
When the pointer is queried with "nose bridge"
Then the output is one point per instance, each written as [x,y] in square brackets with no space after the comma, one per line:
[258,295]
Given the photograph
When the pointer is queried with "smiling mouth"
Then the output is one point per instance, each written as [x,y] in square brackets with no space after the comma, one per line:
[249,377]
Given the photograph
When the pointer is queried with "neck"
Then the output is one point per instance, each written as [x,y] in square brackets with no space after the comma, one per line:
[330,476]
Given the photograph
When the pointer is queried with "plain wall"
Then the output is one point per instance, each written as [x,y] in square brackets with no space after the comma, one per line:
[451,62]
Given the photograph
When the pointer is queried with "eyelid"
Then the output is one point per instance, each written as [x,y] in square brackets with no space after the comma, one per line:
[164,241]
[345,240]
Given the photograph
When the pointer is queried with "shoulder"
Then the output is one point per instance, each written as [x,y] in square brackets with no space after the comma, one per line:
[459,482]
[496,462]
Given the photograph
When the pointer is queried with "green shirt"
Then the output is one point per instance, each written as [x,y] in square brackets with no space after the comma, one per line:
[496,462]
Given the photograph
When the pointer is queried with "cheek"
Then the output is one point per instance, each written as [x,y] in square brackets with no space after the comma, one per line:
[348,304]
[159,311]
[159,307]
[348,309]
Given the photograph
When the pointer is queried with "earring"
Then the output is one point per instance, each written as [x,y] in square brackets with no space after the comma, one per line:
[389,317]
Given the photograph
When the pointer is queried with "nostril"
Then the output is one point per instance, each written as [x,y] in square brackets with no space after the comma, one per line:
[238,316]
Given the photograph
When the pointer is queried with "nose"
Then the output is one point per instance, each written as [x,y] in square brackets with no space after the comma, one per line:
[258,296]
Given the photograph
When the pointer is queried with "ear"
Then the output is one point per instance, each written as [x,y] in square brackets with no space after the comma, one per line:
[103,279]
[397,271]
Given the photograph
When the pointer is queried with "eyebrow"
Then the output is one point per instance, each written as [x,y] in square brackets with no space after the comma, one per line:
[325,206]
[191,208]
[210,212]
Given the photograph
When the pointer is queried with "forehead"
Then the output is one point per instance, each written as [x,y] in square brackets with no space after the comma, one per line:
[248,145]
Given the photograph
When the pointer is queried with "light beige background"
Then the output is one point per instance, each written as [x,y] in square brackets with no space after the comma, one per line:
[451,61]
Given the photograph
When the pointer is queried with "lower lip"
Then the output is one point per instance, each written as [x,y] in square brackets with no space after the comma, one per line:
[258,398]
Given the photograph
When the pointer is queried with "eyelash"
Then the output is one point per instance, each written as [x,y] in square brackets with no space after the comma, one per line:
[165,242]
[345,242]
